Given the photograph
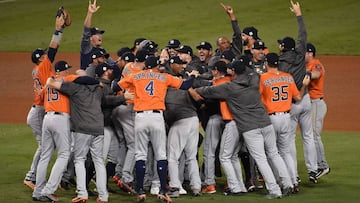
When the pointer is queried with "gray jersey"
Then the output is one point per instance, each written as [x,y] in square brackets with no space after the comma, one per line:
[85,103]
[293,62]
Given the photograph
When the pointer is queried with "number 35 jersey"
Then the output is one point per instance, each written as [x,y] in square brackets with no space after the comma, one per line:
[277,90]
[150,88]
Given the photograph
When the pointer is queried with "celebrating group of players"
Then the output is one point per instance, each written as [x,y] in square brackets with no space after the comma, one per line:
[140,114]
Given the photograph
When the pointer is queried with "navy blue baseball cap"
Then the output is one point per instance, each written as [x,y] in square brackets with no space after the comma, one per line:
[61,66]
[174,43]
[101,68]
[36,55]
[204,45]
[288,43]
[151,62]
[176,60]
[186,50]
[95,30]
[272,59]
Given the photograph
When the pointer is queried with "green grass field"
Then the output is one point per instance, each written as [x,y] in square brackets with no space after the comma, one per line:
[332,26]
[17,146]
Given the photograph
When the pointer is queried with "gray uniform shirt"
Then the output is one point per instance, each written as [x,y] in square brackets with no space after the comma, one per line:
[243,99]
[293,61]
[85,103]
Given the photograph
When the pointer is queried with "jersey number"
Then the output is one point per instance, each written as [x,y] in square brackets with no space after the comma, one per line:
[150,88]
[52,95]
[280,93]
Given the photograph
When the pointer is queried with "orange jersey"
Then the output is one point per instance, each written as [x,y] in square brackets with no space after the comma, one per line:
[128,70]
[316,87]
[40,74]
[55,100]
[277,90]
[150,88]
[225,112]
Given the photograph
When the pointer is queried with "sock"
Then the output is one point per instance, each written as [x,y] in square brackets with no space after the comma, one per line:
[162,172]
[245,160]
[110,169]
[140,173]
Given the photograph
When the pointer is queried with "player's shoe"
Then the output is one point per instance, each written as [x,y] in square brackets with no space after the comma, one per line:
[100,201]
[164,197]
[250,187]
[154,190]
[174,192]
[312,177]
[209,189]
[296,188]
[141,196]
[126,187]
[48,198]
[29,184]
[196,192]
[79,199]
[286,191]
[322,171]
[182,191]
[273,196]
[230,193]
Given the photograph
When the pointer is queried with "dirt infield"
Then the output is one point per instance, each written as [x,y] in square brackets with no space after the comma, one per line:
[341,81]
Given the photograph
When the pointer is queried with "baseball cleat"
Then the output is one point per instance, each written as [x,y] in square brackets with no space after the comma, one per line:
[273,196]
[29,184]
[321,172]
[141,198]
[100,201]
[312,177]
[48,198]
[209,189]
[126,187]
[164,197]
[79,199]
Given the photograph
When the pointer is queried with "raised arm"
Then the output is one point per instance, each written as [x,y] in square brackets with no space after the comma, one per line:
[91,10]
[302,34]
[236,39]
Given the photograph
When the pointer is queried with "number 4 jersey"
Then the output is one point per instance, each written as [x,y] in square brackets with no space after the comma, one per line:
[277,90]
[150,88]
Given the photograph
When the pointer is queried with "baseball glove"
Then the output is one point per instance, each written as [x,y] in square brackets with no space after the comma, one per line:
[65,15]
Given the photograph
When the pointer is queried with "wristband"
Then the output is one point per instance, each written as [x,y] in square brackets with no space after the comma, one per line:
[56,37]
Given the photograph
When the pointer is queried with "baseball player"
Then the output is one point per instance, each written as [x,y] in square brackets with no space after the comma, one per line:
[181,117]
[258,56]
[150,90]
[243,99]
[91,38]
[55,134]
[230,140]
[40,73]
[318,105]
[125,116]
[277,90]
[292,60]
[87,125]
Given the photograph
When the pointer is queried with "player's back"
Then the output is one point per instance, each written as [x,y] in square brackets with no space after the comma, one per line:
[277,90]
[150,88]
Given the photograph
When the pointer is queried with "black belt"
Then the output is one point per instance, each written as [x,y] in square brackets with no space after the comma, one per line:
[277,113]
[56,113]
[154,111]
[227,121]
